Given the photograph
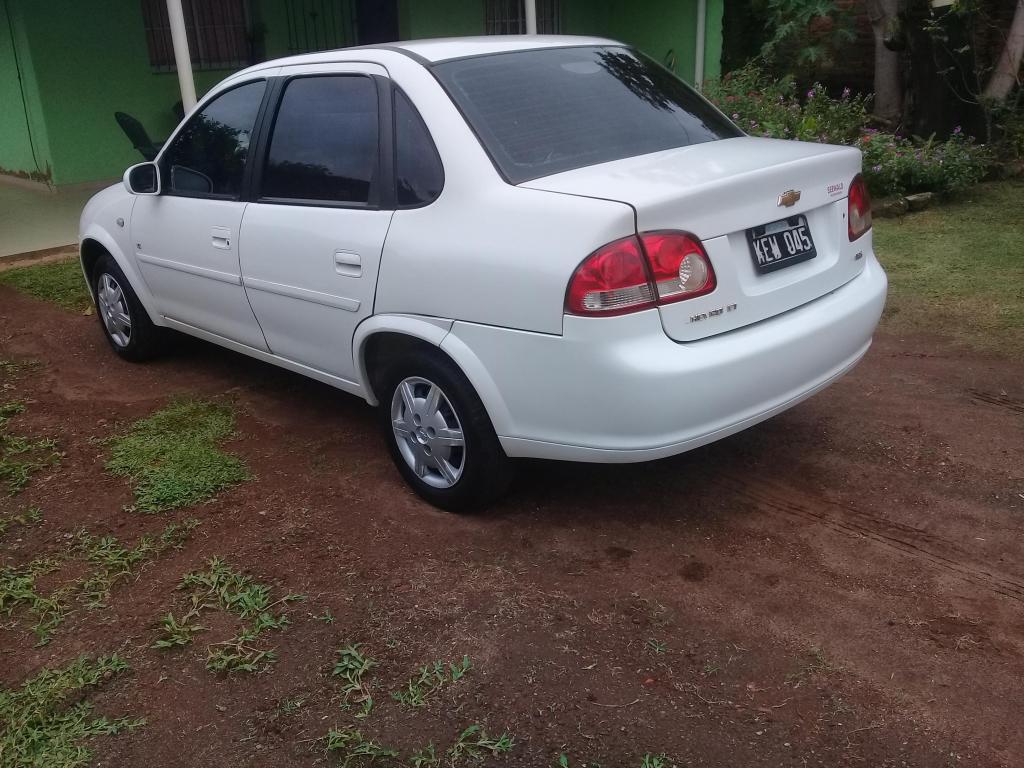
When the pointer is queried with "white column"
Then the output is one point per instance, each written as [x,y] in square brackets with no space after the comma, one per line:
[702,31]
[531,16]
[182,58]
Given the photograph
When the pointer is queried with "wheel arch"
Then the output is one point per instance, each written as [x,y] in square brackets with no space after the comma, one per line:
[388,334]
[95,244]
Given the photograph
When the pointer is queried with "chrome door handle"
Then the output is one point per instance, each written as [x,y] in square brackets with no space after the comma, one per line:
[220,237]
[348,264]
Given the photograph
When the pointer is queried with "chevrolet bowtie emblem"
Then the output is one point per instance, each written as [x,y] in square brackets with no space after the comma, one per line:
[789,198]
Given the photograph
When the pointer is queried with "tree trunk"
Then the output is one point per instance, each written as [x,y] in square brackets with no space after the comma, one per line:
[888,103]
[1004,76]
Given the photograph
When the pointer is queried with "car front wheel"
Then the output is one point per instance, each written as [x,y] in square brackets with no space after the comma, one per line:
[124,320]
[440,436]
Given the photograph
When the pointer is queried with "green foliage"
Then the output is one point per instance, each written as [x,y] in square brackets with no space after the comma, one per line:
[351,666]
[222,587]
[18,589]
[178,633]
[805,34]
[354,749]
[957,269]
[898,166]
[45,721]
[172,457]
[115,562]
[653,761]
[27,517]
[764,106]
[476,744]
[431,678]
[61,282]
[426,757]
[21,457]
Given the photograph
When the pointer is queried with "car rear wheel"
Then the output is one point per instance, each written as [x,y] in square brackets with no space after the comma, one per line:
[439,434]
[124,321]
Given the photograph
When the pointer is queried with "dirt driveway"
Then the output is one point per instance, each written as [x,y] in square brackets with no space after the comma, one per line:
[842,585]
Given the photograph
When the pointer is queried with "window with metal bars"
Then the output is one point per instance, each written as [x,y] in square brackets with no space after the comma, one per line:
[508,17]
[320,25]
[219,34]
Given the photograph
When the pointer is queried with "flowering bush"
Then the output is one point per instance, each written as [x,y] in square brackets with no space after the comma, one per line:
[893,165]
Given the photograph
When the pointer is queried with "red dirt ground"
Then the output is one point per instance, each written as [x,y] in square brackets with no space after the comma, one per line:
[842,585]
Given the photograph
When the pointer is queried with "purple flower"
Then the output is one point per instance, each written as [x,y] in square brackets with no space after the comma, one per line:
[957,130]
[877,168]
[846,93]
[810,94]
[735,116]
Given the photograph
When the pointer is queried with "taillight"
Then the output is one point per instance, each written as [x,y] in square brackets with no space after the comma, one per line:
[640,272]
[859,208]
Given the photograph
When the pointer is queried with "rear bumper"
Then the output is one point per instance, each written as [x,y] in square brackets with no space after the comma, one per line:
[619,390]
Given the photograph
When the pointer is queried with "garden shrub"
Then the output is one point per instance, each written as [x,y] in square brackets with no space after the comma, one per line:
[893,165]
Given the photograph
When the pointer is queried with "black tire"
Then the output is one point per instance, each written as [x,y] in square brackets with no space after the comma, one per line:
[144,340]
[486,471]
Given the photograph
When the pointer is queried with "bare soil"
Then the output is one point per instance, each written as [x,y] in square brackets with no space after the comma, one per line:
[842,585]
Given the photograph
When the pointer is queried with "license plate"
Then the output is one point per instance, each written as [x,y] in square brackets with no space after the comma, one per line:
[780,244]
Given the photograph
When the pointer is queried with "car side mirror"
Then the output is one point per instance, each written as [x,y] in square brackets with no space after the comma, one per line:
[143,179]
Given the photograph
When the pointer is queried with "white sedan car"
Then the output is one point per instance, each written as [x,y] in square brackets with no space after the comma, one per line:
[513,246]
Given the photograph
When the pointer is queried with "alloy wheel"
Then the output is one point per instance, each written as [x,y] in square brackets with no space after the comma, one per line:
[113,308]
[428,432]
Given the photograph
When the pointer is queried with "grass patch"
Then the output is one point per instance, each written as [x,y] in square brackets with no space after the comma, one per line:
[20,456]
[430,679]
[45,721]
[351,667]
[60,282]
[173,459]
[27,517]
[221,587]
[958,269]
[18,590]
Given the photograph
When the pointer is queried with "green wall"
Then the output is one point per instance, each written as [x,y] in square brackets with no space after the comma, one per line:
[20,113]
[90,61]
[419,19]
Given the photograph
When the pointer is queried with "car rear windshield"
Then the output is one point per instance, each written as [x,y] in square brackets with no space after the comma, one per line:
[544,111]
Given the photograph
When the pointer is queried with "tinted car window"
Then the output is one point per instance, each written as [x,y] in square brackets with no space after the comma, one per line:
[324,143]
[418,168]
[208,156]
[544,111]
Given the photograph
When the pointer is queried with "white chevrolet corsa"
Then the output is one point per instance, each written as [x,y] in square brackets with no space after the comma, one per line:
[514,246]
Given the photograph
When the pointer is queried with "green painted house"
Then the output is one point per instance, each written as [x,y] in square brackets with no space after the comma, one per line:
[66,66]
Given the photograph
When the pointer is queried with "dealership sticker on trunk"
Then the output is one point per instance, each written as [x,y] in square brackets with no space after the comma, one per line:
[780,244]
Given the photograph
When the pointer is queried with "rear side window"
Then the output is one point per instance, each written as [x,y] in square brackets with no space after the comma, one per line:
[418,170]
[324,144]
[208,157]
[544,111]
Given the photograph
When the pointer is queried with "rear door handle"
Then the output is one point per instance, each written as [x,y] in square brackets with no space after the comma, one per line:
[220,237]
[348,264]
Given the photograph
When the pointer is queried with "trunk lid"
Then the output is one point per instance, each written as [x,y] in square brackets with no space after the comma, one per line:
[717,191]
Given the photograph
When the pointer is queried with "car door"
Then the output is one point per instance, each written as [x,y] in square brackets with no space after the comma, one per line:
[186,238]
[313,235]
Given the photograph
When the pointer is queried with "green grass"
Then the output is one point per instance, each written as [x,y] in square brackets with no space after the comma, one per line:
[351,667]
[957,269]
[20,456]
[47,719]
[60,282]
[173,458]
[18,590]
[221,587]
[430,679]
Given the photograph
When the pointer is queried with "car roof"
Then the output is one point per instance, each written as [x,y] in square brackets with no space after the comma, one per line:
[442,49]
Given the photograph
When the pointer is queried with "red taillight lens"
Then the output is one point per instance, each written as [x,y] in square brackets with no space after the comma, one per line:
[679,266]
[611,281]
[859,208]
[637,273]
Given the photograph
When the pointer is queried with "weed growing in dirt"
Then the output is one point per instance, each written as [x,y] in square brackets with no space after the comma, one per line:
[431,678]
[354,749]
[653,761]
[115,562]
[21,457]
[351,666]
[48,717]
[222,587]
[657,647]
[173,459]
[474,743]
[29,516]
[816,665]
[18,589]
[326,617]
[178,633]
[61,282]
[425,758]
